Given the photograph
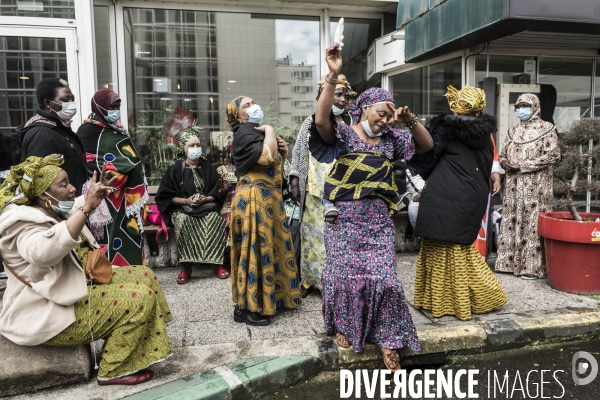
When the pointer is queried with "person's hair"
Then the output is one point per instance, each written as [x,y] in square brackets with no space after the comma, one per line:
[47,89]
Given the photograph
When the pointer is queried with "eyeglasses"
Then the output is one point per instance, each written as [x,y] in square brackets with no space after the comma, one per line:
[517,106]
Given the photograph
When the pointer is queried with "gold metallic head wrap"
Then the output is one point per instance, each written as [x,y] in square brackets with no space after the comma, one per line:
[184,139]
[343,84]
[29,179]
[233,110]
[465,101]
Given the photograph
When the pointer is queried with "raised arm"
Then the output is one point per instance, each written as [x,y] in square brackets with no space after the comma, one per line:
[322,120]
[421,136]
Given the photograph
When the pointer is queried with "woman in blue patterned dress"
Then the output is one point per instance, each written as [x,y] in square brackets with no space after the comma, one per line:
[362,297]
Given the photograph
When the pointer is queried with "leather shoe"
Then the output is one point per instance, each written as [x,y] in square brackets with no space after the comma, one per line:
[249,317]
[133,379]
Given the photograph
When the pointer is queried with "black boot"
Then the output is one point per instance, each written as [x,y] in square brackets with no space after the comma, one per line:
[249,317]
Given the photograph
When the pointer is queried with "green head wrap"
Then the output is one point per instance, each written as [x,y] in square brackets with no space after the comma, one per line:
[184,139]
[29,179]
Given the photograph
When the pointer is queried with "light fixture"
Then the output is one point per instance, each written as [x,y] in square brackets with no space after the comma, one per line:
[187,99]
[398,36]
[24,77]
[231,81]
[211,99]
[106,86]
[158,80]
[179,86]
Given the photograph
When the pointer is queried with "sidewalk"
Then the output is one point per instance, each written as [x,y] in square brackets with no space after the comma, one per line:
[216,358]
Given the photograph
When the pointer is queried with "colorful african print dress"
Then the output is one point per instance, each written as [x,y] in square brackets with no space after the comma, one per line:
[117,224]
[264,275]
[130,314]
[362,297]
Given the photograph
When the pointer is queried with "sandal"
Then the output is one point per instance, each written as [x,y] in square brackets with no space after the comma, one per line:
[184,276]
[342,341]
[221,272]
[390,359]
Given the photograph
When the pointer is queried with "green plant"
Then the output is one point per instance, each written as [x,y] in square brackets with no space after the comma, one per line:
[287,131]
[453,356]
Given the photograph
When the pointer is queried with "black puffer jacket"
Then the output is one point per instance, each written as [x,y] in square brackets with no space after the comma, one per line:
[458,183]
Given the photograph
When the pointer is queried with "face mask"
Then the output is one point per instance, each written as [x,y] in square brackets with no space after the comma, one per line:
[113,116]
[63,206]
[194,153]
[69,109]
[523,113]
[368,131]
[337,111]
[255,114]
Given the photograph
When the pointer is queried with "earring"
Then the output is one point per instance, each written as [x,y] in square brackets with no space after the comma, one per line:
[48,203]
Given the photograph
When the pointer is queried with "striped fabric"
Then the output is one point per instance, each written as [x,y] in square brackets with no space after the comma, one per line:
[454,279]
[200,240]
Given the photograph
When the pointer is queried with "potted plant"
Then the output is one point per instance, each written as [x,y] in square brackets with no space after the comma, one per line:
[572,238]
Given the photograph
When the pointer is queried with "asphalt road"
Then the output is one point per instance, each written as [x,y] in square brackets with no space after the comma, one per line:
[555,360]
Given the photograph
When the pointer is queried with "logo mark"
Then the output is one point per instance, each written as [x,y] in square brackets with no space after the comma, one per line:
[583,367]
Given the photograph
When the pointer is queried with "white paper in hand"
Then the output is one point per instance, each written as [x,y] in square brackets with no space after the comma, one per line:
[338,37]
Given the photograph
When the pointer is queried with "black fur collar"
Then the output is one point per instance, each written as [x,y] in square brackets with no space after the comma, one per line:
[467,129]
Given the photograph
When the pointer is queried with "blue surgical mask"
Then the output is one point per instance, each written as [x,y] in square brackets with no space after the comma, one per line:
[255,114]
[337,111]
[63,206]
[194,153]
[113,116]
[523,113]
[368,131]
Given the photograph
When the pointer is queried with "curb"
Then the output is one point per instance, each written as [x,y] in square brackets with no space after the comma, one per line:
[254,377]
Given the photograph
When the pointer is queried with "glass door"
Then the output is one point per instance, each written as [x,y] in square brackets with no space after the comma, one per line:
[28,55]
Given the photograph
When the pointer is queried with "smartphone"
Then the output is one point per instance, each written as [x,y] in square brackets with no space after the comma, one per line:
[197,198]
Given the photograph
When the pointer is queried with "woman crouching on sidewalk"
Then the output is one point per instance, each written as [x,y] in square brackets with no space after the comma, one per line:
[44,243]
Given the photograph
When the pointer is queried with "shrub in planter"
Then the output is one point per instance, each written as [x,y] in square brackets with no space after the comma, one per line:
[572,239]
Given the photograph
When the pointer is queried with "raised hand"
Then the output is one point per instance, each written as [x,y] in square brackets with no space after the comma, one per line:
[333,56]
[403,115]
[96,193]
[107,178]
[282,145]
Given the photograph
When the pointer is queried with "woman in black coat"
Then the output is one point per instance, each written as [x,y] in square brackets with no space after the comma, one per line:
[452,278]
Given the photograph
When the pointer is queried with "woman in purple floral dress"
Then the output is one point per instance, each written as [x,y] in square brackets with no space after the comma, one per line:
[362,297]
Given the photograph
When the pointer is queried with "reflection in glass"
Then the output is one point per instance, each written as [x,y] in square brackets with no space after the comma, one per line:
[24,62]
[506,69]
[105,79]
[38,8]
[183,67]
[358,36]
[423,89]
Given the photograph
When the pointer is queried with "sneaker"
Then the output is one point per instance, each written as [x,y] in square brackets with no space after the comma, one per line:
[529,277]
[403,200]
[330,213]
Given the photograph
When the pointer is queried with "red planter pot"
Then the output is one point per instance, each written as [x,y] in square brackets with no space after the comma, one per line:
[572,251]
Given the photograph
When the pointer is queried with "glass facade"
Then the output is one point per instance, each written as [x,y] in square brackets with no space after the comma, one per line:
[183,67]
[358,36]
[105,74]
[423,89]
[38,8]
[506,69]
[24,62]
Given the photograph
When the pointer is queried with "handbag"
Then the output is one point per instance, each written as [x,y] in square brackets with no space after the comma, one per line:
[199,211]
[98,263]
[153,216]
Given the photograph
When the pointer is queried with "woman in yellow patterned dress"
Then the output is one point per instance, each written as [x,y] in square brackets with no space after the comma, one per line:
[264,275]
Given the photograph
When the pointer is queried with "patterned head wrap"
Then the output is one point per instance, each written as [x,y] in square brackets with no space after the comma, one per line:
[465,101]
[342,84]
[233,110]
[368,98]
[535,126]
[184,139]
[102,100]
[534,102]
[29,179]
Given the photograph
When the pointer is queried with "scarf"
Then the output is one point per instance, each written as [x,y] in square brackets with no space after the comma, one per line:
[360,175]
[247,147]
[465,101]
[101,101]
[535,127]
[233,111]
[369,98]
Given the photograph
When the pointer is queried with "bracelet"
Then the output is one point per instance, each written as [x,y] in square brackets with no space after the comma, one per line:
[412,124]
[295,186]
[87,214]
[332,81]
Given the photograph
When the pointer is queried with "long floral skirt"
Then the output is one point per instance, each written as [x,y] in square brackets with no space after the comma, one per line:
[130,314]
[362,297]
[453,279]
[312,249]
[200,240]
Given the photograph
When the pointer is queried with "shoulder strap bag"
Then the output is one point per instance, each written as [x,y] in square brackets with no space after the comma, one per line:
[199,211]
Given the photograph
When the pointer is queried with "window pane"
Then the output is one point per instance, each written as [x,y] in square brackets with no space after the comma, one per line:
[597,91]
[187,68]
[105,78]
[38,8]
[507,69]
[423,89]
[358,36]
[21,69]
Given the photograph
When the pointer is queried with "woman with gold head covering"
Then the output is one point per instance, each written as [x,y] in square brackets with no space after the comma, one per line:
[308,180]
[452,277]
[44,243]
[188,198]
[264,275]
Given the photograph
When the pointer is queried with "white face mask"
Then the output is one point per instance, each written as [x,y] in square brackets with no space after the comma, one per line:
[194,153]
[69,109]
[368,131]
[337,111]
[63,206]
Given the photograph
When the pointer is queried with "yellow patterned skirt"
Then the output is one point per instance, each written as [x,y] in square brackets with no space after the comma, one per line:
[130,314]
[453,279]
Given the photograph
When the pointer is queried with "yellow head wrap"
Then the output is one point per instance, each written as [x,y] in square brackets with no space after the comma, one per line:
[343,83]
[233,110]
[467,100]
[29,179]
